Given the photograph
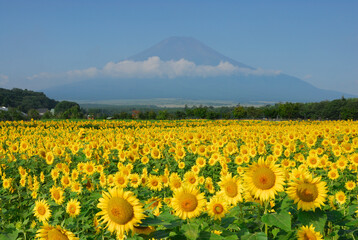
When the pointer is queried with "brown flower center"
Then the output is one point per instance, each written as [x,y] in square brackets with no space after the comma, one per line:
[218,208]
[188,202]
[231,189]
[41,210]
[120,210]
[307,192]
[55,234]
[264,178]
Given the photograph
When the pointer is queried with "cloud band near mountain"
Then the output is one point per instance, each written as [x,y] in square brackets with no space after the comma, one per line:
[154,67]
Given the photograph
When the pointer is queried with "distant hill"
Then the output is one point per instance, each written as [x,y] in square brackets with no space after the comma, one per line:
[25,99]
[246,84]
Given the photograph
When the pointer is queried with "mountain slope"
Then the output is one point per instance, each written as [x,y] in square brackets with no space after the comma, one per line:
[176,48]
[244,87]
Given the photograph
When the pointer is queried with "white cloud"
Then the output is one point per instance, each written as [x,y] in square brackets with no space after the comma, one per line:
[153,67]
[4,80]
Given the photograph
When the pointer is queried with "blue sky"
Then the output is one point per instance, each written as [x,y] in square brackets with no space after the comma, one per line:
[316,41]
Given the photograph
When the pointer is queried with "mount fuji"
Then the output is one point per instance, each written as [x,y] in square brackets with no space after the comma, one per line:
[185,68]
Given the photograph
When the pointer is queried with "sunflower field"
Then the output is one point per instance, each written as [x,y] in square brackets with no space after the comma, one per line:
[188,179]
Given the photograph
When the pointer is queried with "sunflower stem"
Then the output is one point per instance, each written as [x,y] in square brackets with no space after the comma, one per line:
[266,205]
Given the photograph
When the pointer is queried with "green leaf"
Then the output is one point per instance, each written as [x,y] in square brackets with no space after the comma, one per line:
[160,234]
[275,231]
[151,222]
[9,236]
[287,236]
[255,236]
[318,218]
[191,231]
[281,220]
[225,222]
[352,209]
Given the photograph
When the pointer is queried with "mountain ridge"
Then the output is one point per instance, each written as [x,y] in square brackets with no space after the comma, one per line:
[240,87]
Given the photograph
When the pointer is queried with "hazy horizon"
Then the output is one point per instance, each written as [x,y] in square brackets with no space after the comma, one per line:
[46,43]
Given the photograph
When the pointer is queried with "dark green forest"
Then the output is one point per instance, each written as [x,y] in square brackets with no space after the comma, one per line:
[24,100]
[25,105]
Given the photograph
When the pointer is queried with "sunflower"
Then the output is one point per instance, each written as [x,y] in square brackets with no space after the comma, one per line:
[120,210]
[154,203]
[217,207]
[308,192]
[143,230]
[154,183]
[333,174]
[308,233]
[42,210]
[175,181]
[135,180]
[354,159]
[48,232]
[264,179]
[90,168]
[49,158]
[57,194]
[350,185]
[231,189]
[191,178]
[65,181]
[76,187]
[73,207]
[188,202]
[120,180]
[341,197]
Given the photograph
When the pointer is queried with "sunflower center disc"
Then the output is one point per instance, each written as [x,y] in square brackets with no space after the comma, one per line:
[309,236]
[218,208]
[231,189]
[120,210]
[41,210]
[72,209]
[189,202]
[307,192]
[54,234]
[192,180]
[155,183]
[56,195]
[264,178]
[121,181]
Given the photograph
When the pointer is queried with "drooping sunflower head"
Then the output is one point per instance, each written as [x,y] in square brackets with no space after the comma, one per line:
[120,210]
[188,202]
[264,179]
[48,232]
[309,193]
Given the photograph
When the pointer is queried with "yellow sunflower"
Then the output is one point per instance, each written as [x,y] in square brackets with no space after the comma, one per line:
[73,207]
[188,202]
[264,179]
[57,194]
[42,210]
[217,207]
[48,232]
[154,183]
[120,210]
[230,189]
[308,233]
[341,197]
[350,185]
[309,193]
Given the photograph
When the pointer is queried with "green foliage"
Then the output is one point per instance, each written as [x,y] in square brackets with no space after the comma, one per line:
[25,100]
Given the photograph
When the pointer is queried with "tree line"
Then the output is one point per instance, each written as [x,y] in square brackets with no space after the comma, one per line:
[25,105]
